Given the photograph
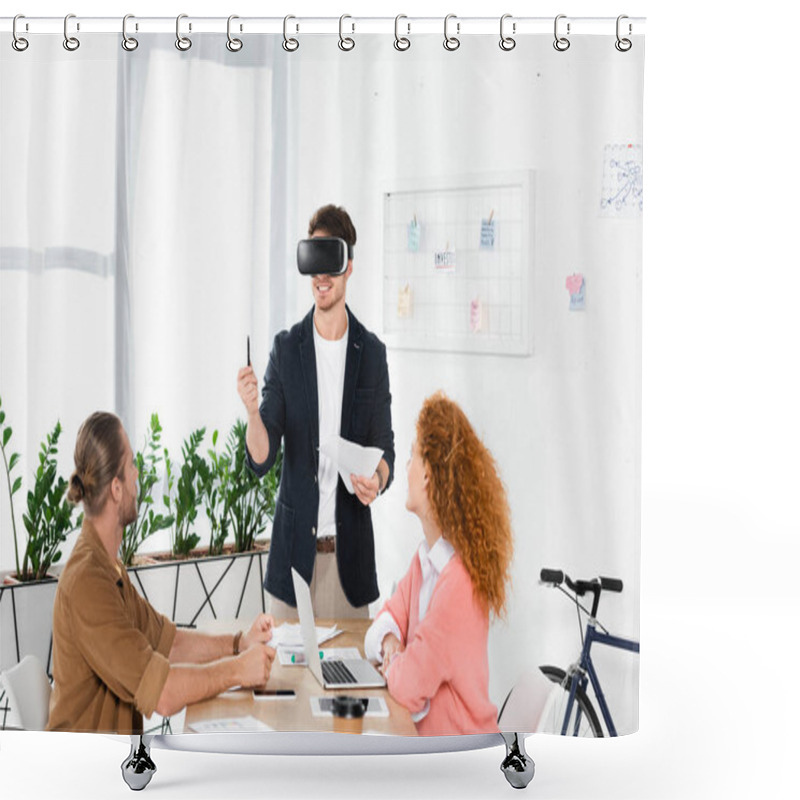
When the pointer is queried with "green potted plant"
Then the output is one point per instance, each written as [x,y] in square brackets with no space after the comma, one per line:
[9,462]
[188,497]
[215,485]
[251,499]
[50,515]
[148,521]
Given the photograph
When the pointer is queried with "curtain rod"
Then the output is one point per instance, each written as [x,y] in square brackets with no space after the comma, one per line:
[348,25]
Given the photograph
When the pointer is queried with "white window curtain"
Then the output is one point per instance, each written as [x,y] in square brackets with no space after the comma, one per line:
[136,199]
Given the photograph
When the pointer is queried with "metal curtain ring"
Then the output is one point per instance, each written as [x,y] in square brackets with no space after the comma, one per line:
[289,45]
[401,42]
[561,43]
[451,42]
[507,42]
[233,44]
[70,42]
[346,43]
[623,45]
[19,43]
[183,43]
[128,42]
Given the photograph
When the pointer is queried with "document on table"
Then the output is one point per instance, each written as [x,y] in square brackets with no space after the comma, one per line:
[288,657]
[289,636]
[351,458]
[231,725]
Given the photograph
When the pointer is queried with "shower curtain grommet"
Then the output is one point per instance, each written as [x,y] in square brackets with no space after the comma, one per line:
[507,43]
[19,43]
[561,43]
[451,43]
[623,44]
[401,43]
[289,44]
[129,43]
[71,43]
[346,43]
[233,44]
[183,43]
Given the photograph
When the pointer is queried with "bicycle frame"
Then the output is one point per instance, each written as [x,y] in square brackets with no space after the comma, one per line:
[584,673]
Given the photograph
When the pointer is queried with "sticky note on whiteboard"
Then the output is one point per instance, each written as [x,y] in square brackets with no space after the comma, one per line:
[444,260]
[476,315]
[404,298]
[414,235]
[488,231]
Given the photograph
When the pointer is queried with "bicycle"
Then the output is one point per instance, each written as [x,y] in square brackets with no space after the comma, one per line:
[572,709]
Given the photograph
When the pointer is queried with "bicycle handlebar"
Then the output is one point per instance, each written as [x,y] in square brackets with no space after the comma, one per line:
[611,584]
[580,587]
[554,576]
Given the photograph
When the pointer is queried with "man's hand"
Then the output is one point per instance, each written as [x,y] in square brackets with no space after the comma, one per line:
[391,646]
[366,488]
[260,632]
[247,386]
[255,664]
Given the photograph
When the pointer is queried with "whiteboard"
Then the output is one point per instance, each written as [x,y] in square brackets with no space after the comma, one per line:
[457,264]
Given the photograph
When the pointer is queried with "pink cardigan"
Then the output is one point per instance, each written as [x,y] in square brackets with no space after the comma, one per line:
[445,658]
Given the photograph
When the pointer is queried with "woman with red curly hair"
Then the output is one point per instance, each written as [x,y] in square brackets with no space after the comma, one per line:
[432,634]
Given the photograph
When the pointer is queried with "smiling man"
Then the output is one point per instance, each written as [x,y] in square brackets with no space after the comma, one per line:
[326,376]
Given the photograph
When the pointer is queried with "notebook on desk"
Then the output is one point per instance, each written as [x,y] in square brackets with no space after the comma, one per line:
[332,673]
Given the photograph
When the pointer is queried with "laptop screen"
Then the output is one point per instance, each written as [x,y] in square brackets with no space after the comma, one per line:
[307,625]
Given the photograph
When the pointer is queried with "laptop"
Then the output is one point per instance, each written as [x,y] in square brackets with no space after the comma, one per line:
[331,673]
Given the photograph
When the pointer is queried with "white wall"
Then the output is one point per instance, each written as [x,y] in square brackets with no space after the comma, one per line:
[563,423]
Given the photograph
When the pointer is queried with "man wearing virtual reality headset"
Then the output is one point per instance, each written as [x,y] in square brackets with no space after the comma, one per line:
[326,376]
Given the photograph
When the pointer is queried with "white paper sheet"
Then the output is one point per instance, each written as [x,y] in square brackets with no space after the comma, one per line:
[351,458]
[231,725]
[290,635]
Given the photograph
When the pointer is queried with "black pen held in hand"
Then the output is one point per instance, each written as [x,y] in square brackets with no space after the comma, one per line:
[248,351]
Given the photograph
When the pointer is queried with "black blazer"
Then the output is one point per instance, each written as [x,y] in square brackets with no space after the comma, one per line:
[290,411]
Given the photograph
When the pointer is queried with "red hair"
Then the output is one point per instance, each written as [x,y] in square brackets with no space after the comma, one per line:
[467,497]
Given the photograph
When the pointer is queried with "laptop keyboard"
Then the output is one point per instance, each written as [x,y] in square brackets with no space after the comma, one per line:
[336,672]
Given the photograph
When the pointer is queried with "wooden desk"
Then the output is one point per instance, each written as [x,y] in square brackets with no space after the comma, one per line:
[295,714]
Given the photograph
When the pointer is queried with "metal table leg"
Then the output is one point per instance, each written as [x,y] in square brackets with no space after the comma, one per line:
[518,766]
[138,768]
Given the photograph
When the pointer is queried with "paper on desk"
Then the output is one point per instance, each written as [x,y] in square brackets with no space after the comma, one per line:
[289,657]
[232,725]
[351,458]
[290,635]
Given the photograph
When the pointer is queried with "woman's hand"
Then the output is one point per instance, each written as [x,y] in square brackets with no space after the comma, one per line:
[391,647]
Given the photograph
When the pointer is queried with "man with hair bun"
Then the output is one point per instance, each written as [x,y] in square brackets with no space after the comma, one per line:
[116,659]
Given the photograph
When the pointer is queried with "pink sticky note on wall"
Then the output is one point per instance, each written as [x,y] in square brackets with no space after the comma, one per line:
[475,315]
[574,283]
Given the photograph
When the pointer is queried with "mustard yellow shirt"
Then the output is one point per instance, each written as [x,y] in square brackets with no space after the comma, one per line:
[110,647]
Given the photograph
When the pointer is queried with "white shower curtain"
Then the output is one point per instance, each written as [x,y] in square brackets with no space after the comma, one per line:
[152,202]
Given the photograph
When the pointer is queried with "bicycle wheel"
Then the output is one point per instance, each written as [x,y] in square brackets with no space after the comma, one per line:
[553,715]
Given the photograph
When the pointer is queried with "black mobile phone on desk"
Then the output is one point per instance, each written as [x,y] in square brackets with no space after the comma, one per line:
[274,694]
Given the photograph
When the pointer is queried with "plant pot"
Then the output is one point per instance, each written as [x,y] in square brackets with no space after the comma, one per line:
[26,619]
[198,588]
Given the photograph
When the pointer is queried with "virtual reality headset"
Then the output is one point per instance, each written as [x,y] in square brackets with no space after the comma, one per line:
[323,255]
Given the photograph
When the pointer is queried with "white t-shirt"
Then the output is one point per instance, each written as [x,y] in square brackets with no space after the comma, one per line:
[331,357]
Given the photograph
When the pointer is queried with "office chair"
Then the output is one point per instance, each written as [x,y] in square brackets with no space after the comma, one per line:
[524,704]
[28,689]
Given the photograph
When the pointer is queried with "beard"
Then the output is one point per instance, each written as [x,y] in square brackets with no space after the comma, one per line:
[128,512]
